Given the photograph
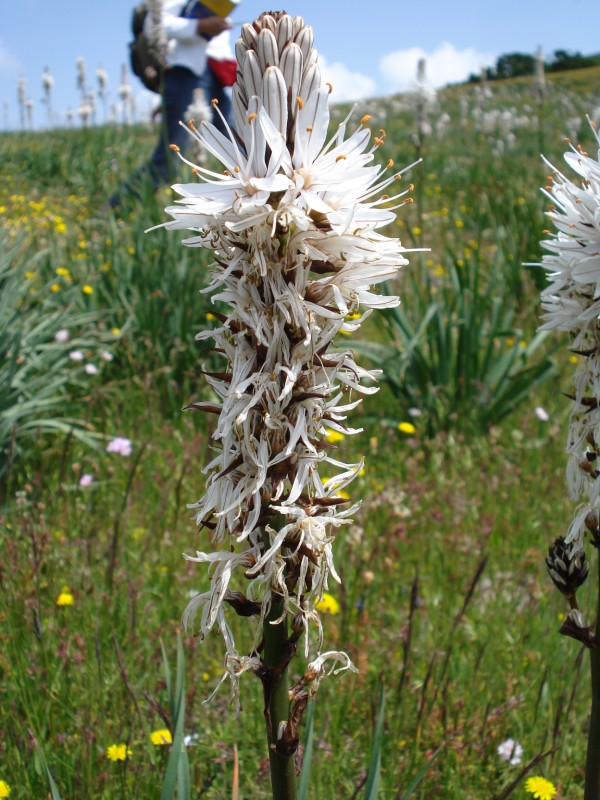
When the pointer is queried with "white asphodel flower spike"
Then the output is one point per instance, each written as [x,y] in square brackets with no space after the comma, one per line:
[294,220]
[571,303]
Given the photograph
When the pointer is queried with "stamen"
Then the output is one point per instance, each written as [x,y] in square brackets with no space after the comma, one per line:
[251,117]
[390,163]
[408,200]
[226,172]
[300,102]
[365,119]
[236,169]
[214,102]
[340,158]
[191,124]
[411,187]
[330,87]
[309,128]
[174,148]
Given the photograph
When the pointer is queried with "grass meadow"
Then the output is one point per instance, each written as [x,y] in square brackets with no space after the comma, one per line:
[445,600]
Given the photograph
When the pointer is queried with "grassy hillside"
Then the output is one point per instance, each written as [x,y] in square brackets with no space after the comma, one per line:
[444,597]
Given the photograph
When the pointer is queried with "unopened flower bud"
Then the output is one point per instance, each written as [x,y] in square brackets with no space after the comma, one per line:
[568,570]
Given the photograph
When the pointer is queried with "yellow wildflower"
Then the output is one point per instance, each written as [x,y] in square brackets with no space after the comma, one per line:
[161,737]
[540,788]
[116,331]
[60,227]
[210,316]
[55,287]
[131,251]
[417,231]
[4,789]
[406,427]
[328,604]
[118,752]
[459,223]
[65,598]
[333,437]
[87,289]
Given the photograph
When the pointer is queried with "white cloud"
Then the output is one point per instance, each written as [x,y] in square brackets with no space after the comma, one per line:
[8,62]
[347,85]
[444,65]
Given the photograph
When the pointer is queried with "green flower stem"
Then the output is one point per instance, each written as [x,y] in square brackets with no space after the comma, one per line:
[276,648]
[592,763]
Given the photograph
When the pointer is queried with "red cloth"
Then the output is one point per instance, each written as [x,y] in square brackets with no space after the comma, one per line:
[225,71]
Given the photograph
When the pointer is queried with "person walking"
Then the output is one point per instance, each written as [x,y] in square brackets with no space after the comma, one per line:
[188,28]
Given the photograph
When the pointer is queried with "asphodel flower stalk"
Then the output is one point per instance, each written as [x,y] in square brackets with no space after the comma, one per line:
[294,221]
[572,304]
[47,84]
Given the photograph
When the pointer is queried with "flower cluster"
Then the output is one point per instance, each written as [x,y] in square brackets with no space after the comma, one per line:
[572,303]
[294,222]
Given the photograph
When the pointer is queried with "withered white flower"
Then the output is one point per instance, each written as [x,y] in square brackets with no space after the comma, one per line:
[294,222]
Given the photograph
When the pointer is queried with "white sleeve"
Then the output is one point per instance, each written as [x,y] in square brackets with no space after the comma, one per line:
[179,27]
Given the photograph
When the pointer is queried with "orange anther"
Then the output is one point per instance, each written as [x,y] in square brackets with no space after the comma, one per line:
[300,102]
[390,163]
[251,117]
[365,119]
[174,148]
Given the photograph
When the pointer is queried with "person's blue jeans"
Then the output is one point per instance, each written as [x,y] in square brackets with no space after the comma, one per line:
[178,90]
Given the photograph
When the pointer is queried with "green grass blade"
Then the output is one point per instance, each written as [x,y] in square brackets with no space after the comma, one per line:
[177,776]
[45,769]
[374,773]
[308,751]
[421,774]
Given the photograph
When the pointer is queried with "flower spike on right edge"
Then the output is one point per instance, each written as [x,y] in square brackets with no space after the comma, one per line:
[571,303]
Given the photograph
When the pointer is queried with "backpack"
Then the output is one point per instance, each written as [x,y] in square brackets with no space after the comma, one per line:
[145,62]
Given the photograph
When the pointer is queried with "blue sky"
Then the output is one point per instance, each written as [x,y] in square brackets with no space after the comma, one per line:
[368,48]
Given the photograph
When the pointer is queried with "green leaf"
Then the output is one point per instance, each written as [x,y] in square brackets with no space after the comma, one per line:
[374,773]
[45,769]
[421,774]
[177,776]
[308,751]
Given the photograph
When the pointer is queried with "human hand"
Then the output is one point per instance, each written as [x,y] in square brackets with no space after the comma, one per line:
[212,26]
